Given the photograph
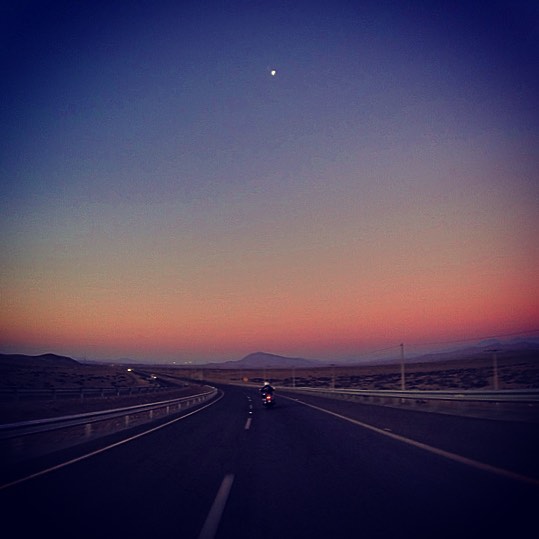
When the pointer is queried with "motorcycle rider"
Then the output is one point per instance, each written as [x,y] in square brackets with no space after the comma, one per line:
[267,395]
[267,389]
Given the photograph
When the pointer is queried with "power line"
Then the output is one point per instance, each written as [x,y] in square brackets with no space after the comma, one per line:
[454,341]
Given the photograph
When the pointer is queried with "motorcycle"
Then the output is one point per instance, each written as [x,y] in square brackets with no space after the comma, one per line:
[268,400]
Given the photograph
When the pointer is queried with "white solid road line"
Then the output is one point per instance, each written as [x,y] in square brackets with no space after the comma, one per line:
[88,455]
[441,452]
[216,512]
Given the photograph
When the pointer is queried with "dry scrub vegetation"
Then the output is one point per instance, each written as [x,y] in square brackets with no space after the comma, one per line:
[517,371]
[35,375]
[44,376]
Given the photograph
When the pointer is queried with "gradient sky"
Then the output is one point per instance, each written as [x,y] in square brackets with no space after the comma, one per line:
[164,197]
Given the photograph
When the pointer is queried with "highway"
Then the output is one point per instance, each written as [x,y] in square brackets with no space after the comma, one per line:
[235,470]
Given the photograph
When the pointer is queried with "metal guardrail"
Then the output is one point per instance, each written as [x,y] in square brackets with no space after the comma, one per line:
[510,405]
[503,395]
[55,423]
[10,394]
[35,437]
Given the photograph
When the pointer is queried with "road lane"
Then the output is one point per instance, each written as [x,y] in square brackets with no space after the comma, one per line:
[22,470]
[505,444]
[307,474]
[292,472]
[160,485]
[505,472]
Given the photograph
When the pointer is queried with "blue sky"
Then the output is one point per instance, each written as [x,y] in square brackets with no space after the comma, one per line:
[165,197]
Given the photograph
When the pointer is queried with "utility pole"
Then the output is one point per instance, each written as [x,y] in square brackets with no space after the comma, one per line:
[333,376]
[293,376]
[495,367]
[403,380]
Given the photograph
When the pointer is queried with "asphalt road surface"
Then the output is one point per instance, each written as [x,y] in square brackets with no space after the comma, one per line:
[236,470]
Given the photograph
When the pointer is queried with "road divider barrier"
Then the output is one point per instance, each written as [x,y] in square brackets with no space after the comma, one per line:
[27,439]
[512,404]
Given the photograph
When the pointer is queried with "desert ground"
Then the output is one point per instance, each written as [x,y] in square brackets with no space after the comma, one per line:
[38,376]
[515,371]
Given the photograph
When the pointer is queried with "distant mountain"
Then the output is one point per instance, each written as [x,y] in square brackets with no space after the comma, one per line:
[482,348]
[263,360]
[530,343]
[43,359]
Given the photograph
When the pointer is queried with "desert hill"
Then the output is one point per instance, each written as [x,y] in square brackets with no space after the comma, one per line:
[264,360]
[22,360]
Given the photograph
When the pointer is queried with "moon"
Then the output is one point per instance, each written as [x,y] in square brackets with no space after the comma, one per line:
[273,72]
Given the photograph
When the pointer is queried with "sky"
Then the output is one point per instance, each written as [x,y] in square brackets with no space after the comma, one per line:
[165,197]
